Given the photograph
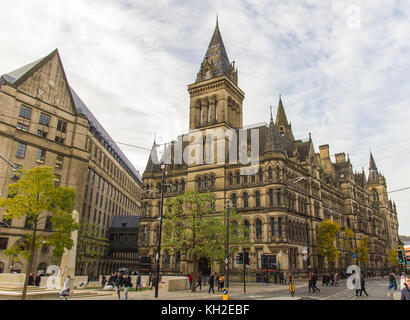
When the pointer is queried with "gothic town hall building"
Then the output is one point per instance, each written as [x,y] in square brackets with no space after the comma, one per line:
[293,186]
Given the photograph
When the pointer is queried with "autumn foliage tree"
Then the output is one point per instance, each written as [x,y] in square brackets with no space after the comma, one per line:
[30,198]
[327,232]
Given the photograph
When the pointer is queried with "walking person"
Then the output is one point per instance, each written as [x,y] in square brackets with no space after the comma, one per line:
[394,281]
[127,285]
[290,277]
[332,280]
[265,278]
[103,282]
[391,278]
[211,283]
[362,284]
[118,284]
[190,277]
[405,292]
[30,280]
[221,281]
[138,285]
[336,279]
[402,280]
[314,280]
[310,286]
[65,292]
[199,283]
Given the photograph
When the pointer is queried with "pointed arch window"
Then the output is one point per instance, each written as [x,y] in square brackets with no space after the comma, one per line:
[258,225]
[270,173]
[245,200]
[207,74]
[206,183]
[238,178]
[247,228]
[277,173]
[199,183]
[201,114]
[208,111]
[216,111]
[258,199]
[213,182]
[260,173]
[234,201]
[230,179]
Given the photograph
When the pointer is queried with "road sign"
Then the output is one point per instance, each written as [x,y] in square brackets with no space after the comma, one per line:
[354,255]
[226,261]
[225,294]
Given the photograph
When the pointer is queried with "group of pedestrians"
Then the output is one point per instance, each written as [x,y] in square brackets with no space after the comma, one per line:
[330,279]
[34,281]
[312,282]
[218,280]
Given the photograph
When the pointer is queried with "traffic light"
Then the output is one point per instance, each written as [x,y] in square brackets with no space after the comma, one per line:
[400,256]
[239,258]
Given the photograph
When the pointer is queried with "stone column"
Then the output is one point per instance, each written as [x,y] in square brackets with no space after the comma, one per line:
[67,266]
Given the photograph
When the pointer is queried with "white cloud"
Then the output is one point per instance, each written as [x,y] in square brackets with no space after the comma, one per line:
[131,62]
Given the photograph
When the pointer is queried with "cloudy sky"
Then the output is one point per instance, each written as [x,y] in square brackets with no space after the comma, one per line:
[341,66]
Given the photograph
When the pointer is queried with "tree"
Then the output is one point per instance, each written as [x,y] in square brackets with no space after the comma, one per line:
[31,197]
[347,243]
[363,250]
[327,232]
[191,226]
[392,258]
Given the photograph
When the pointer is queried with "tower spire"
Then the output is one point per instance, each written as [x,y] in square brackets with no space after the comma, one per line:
[372,165]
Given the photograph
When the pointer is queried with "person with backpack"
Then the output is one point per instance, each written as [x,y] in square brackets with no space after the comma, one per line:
[127,285]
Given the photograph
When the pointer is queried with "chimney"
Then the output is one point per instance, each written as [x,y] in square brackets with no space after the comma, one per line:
[340,157]
[324,152]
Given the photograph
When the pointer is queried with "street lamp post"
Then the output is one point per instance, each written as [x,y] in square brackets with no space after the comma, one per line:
[227,245]
[163,167]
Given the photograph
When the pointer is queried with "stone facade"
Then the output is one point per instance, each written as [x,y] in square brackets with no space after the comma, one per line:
[293,189]
[44,122]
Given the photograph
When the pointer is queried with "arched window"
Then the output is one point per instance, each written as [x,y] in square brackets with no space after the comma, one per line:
[245,200]
[277,173]
[258,199]
[247,228]
[230,179]
[375,195]
[207,75]
[260,173]
[145,234]
[206,183]
[177,186]
[216,111]
[183,186]
[258,225]
[270,173]
[245,179]
[208,111]
[235,228]
[201,114]
[234,201]
[213,182]
[253,178]
[238,178]
[199,183]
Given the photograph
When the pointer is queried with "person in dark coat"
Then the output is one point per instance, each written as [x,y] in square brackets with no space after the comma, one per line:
[199,283]
[127,285]
[118,283]
[103,281]
[314,280]
[31,280]
[362,285]
[37,280]
[211,283]
[139,285]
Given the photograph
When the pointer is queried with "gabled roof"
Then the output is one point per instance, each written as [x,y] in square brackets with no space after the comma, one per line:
[19,75]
